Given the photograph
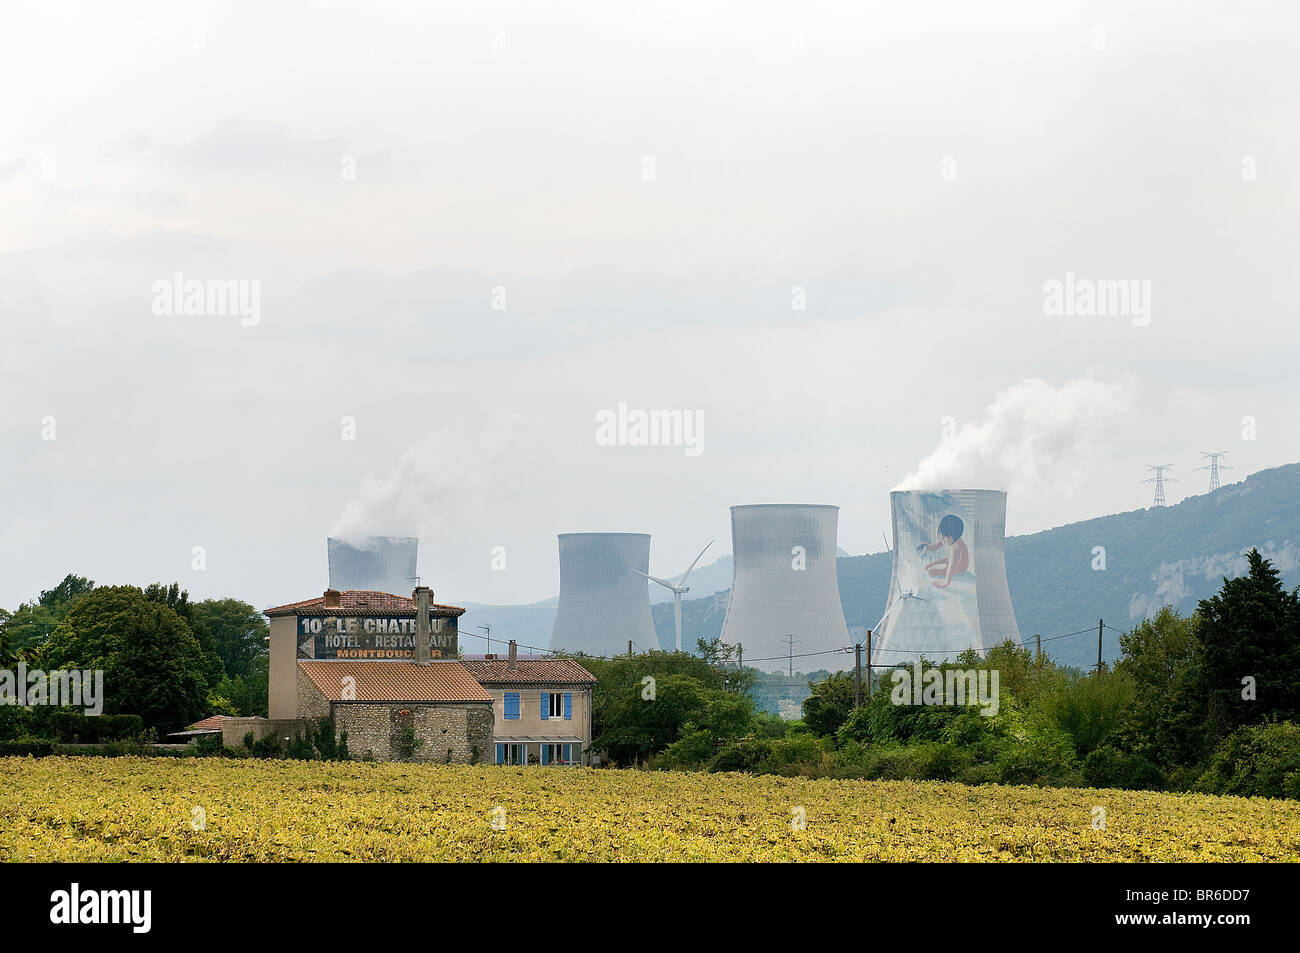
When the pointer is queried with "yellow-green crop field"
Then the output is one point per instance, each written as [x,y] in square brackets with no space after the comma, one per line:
[169,809]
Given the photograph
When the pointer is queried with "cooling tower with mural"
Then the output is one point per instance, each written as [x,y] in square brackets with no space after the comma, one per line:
[603,601]
[785,584]
[949,590]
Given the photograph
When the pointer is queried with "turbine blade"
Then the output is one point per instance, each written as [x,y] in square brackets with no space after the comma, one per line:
[682,579]
[663,582]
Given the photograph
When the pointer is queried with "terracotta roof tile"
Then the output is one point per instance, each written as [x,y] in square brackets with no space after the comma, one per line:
[360,602]
[396,681]
[499,672]
[211,723]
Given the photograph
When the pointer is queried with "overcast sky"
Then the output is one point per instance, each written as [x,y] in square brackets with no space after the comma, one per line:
[645,189]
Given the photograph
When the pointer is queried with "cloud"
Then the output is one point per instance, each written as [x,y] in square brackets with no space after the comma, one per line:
[246,143]
[1033,438]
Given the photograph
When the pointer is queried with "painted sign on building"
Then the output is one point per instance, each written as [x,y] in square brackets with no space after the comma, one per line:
[372,637]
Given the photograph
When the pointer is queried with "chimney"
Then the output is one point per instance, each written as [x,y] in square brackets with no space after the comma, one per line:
[421,599]
[333,599]
[514,650]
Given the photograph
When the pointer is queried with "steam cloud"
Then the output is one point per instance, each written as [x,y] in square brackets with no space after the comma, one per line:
[1031,436]
[446,473]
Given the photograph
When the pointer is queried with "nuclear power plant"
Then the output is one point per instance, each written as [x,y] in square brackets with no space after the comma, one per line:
[785,594]
[949,590]
[603,601]
[376,563]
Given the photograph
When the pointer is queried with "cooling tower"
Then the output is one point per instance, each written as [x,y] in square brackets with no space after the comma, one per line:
[377,563]
[603,603]
[949,591]
[784,583]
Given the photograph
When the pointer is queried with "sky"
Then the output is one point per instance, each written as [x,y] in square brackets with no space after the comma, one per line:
[824,233]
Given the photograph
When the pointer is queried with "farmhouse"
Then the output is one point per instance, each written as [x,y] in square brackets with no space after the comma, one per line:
[386,669]
[542,708]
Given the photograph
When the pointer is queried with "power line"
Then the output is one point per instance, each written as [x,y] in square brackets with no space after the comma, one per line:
[843,650]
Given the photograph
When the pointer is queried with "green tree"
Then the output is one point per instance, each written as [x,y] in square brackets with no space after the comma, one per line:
[830,704]
[234,633]
[1250,630]
[1165,720]
[31,624]
[153,666]
[726,659]
[173,596]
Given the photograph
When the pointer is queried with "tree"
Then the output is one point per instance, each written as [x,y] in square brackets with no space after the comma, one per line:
[830,704]
[726,659]
[153,666]
[173,596]
[66,592]
[1165,721]
[234,632]
[31,624]
[1251,630]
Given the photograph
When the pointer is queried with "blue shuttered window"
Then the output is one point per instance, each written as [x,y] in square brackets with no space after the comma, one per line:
[568,706]
[512,706]
[546,705]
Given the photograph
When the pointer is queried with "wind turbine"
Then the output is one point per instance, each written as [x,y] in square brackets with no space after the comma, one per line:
[677,589]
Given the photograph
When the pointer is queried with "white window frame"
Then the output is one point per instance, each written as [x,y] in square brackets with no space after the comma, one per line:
[557,753]
[555,705]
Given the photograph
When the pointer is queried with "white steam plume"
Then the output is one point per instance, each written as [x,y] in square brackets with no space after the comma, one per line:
[447,473]
[1033,435]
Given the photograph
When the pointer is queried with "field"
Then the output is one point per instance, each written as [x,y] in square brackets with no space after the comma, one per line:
[167,809]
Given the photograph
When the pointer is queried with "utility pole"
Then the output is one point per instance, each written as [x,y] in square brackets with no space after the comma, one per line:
[857,675]
[629,648]
[1160,480]
[1100,625]
[1214,466]
[1038,645]
[740,659]
[791,640]
[868,663]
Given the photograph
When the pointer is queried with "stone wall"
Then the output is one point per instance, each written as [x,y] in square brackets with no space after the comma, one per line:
[377,730]
[311,703]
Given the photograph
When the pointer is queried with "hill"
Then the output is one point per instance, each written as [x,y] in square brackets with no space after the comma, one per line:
[1175,555]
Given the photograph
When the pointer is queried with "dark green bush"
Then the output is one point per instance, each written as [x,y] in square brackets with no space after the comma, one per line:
[76,728]
[269,747]
[300,747]
[21,747]
[746,755]
[1261,760]
[204,746]
[1109,767]
[693,749]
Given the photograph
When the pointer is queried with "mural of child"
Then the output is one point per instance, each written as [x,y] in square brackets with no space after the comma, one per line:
[958,558]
